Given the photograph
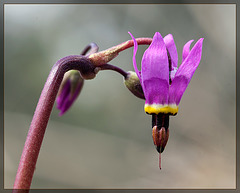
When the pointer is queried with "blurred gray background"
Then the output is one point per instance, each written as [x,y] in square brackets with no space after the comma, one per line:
[104,140]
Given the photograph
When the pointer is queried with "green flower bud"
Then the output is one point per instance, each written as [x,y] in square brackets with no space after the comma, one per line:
[132,82]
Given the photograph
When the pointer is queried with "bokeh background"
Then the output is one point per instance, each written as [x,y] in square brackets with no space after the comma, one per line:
[104,140]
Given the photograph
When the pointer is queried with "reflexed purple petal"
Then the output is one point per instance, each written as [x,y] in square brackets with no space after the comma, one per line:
[185,73]
[177,89]
[156,91]
[155,71]
[186,50]
[172,49]
[134,56]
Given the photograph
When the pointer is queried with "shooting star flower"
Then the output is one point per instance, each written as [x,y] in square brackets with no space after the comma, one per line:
[163,83]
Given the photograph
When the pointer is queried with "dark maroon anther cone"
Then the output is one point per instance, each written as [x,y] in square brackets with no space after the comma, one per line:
[160,132]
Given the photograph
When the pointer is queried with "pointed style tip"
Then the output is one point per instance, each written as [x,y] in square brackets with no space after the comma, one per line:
[160,167]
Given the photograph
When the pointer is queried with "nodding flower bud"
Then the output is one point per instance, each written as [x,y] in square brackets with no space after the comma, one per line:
[70,88]
[132,82]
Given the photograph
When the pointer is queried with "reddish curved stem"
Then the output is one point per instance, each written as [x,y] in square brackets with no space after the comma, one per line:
[129,43]
[105,56]
[45,104]
[114,68]
[41,116]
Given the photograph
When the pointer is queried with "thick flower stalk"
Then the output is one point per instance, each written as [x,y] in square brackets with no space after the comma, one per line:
[41,116]
[163,83]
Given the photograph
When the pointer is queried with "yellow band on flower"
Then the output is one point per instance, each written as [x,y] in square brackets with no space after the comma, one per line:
[157,108]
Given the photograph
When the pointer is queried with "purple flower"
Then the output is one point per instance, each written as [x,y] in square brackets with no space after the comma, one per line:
[70,89]
[162,82]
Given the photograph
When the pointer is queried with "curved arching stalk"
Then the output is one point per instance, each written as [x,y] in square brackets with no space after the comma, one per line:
[88,67]
[41,116]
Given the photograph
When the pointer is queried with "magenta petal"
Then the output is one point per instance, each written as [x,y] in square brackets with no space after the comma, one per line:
[156,91]
[172,49]
[155,72]
[186,50]
[134,56]
[185,73]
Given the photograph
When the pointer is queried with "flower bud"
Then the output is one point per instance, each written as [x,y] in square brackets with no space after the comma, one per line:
[70,88]
[132,82]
